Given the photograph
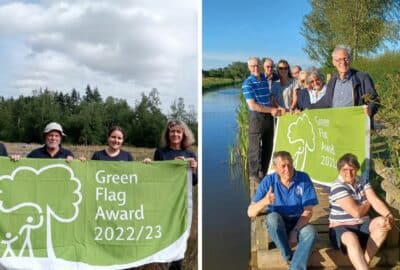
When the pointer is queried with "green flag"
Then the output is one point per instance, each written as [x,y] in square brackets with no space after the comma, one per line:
[316,140]
[94,214]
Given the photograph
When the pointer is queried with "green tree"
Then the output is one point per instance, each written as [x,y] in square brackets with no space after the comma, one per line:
[363,25]
[148,121]
[179,112]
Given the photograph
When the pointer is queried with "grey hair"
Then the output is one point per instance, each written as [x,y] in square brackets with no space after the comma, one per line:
[269,60]
[315,74]
[284,155]
[255,59]
[341,48]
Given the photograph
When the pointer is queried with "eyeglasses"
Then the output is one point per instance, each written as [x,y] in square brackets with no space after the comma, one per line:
[314,81]
[302,81]
[267,66]
[253,66]
[346,59]
[283,68]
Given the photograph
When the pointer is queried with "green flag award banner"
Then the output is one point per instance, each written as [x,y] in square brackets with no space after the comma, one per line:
[93,214]
[316,140]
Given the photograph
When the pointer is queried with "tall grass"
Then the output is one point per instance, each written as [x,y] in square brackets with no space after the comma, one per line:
[238,153]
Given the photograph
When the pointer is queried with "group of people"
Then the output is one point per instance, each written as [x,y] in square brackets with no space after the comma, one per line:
[289,195]
[175,140]
[269,95]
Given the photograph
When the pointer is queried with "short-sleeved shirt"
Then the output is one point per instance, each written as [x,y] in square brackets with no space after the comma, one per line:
[3,150]
[42,153]
[288,201]
[257,90]
[339,190]
[122,156]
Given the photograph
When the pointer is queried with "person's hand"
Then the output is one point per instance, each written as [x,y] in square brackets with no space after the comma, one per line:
[69,159]
[296,111]
[269,198]
[292,239]
[192,163]
[147,160]
[282,111]
[389,221]
[81,158]
[15,157]
[366,110]
[274,111]
[180,158]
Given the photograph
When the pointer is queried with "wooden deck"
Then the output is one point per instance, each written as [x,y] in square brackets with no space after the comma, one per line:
[264,254]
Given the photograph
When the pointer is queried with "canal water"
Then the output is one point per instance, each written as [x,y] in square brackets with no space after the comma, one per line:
[226,227]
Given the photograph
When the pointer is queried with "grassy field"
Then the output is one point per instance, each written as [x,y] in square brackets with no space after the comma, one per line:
[139,153]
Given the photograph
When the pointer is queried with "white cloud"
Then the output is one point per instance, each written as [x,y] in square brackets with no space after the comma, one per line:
[123,47]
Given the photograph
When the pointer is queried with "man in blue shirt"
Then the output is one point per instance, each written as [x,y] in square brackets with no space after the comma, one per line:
[258,96]
[290,197]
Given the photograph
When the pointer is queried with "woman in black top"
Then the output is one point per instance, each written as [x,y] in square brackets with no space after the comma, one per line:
[176,139]
[113,152]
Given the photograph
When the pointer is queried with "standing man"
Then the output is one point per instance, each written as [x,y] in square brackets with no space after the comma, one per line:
[52,133]
[258,96]
[290,197]
[349,87]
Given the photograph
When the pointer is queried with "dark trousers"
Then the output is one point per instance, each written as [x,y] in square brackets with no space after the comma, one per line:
[261,136]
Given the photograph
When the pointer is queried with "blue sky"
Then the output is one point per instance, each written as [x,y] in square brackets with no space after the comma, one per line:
[235,30]
[123,47]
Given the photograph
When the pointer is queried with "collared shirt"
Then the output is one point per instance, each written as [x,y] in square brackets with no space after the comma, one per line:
[288,201]
[315,95]
[343,93]
[257,90]
[42,153]
[340,190]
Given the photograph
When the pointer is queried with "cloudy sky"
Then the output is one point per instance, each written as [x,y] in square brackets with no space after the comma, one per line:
[123,47]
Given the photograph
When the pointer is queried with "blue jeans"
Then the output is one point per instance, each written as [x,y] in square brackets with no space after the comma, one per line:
[278,229]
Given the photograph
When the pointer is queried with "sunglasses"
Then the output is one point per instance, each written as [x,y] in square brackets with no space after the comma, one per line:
[283,68]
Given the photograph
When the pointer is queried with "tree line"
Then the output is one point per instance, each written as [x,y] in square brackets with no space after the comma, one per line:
[87,118]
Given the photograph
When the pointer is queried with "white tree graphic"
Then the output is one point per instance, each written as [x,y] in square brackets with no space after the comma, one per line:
[301,132]
[68,183]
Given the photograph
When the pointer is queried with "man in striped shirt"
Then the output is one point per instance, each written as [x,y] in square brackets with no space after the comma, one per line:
[258,96]
[351,229]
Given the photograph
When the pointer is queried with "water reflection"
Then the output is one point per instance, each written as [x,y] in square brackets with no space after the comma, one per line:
[226,227]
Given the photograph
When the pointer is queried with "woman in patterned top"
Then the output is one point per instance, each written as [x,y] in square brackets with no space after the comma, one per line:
[351,229]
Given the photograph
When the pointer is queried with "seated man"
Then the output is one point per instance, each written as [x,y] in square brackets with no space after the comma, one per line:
[290,197]
[351,229]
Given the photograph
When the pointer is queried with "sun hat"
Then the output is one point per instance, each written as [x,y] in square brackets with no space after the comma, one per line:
[53,126]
